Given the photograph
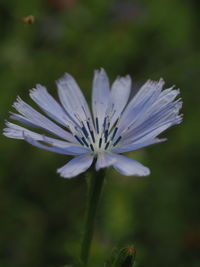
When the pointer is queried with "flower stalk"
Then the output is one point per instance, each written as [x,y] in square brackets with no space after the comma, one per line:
[95,184]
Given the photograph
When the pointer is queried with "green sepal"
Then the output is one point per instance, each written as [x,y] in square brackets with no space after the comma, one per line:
[122,257]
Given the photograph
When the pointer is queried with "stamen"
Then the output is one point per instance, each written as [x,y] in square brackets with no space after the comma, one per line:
[100,142]
[83,139]
[92,135]
[91,146]
[85,113]
[97,125]
[85,131]
[117,141]
[88,124]
[104,122]
[114,133]
[107,145]
[106,135]
[79,140]
[91,131]
[79,132]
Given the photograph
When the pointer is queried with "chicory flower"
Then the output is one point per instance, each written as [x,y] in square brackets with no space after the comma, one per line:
[116,124]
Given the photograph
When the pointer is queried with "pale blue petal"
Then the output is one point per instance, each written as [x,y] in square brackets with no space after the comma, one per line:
[146,136]
[147,89]
[136,146]
[120,92]
[167,116]
[104,160]
[23,120]
[167,96]
[49,105]
[145,97]
[68,150]
[40,121]
[18,132]
[29,122]
[76,166]
[129,167]
[163,106]
[100,96]
[72,99]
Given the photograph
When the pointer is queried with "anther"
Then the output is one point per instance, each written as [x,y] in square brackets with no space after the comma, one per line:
[114,133]
[92,135]
[104,122]
[83,139]
[79,140]
[91,146]
[107,145]
[91,131]
[106,135]
[97,125]
[88,124]
[100,142]
[117,141]
[85,131]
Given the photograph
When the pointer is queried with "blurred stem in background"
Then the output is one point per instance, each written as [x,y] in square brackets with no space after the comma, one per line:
[95,184]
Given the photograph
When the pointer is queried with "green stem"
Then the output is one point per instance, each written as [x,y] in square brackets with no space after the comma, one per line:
[94,192]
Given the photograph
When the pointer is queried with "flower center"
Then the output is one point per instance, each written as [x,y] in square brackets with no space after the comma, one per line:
[96,137]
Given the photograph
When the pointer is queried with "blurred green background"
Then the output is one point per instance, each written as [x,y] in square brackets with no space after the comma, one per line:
[41,214]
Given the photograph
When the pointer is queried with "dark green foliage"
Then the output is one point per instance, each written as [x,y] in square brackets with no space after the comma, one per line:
[41,214]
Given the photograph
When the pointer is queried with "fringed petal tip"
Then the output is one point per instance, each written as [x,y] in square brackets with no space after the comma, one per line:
[17,102]
[64,79]
[100,71]
[37,90]
[154,83]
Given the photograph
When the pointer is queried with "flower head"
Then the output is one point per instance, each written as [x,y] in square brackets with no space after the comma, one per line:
[116,125]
